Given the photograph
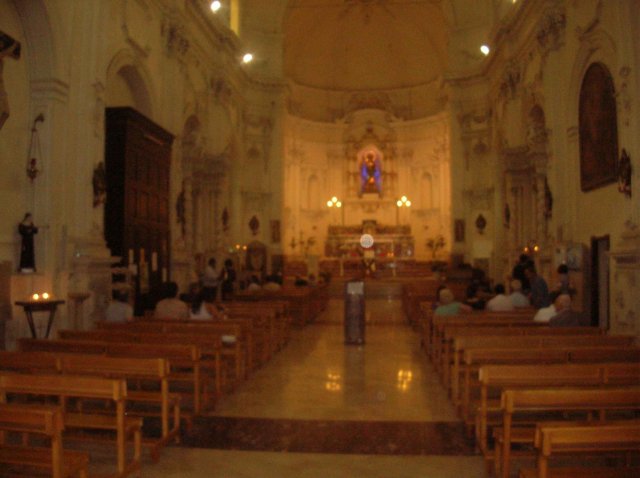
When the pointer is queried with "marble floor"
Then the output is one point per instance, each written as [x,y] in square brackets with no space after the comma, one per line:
[323,409]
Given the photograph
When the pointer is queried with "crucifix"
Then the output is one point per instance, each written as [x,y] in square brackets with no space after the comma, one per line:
[10,48]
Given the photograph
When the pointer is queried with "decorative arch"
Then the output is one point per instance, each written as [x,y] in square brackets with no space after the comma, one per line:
[595,47]
[598,128]
[125,67]
[41,53]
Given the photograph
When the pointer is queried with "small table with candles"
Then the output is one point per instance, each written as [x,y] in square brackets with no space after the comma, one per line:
[39,303]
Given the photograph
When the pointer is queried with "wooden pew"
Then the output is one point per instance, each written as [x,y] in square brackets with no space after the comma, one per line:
[237,352]
[523,401]
[184,359]
[434,324]
[135,369]
[500,377]
[560,352]
[460,344]
[42,421]
[67,386]
[452,332]
[584,440]
[131,369]
[242,350]
[210,346]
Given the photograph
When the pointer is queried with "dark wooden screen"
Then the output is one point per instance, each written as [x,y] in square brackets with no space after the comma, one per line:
[137,159]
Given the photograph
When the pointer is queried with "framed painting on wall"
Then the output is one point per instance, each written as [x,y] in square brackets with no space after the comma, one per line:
[598,129]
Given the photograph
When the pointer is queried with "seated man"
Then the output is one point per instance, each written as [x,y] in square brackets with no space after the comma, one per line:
[565,317]
[500,303]
[254,284]
[448,304]
[119,309]
[545,313]
[518,299]
[171,307]
[272,284]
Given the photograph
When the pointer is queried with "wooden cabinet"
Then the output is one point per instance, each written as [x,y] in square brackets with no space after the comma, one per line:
[137,162]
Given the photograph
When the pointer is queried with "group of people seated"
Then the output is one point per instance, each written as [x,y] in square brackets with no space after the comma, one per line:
[198,304]
[552,307]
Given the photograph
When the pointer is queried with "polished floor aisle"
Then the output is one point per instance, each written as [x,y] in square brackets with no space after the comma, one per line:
[320,408]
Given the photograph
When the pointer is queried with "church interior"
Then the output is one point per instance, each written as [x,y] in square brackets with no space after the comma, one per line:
[360,156]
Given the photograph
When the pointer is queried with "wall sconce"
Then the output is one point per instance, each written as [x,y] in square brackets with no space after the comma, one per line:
[334,202]
[34,149]
[531,248]
[403,202]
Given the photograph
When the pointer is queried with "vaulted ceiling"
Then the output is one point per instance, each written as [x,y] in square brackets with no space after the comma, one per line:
[364,45]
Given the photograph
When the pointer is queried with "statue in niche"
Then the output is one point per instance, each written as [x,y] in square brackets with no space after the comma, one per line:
[370,174]
[10,48]
[27,252]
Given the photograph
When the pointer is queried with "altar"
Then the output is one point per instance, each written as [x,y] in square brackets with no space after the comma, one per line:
[390,242]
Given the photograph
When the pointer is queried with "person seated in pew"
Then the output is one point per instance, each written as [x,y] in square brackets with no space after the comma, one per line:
[449,305]
[300,281]
[472,300]
[545,314]
[171,307]
[517,298]
[500,303]
[272,284]
[198,309]
[119,310]
[565,316]
[254,284]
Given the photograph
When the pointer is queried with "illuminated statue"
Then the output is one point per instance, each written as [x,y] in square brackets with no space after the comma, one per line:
[370,174]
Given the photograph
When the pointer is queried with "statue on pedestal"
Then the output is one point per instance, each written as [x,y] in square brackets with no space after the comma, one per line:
[27,253]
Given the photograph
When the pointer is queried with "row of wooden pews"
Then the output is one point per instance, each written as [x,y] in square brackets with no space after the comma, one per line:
[304,303]
[527,390]
[106,382]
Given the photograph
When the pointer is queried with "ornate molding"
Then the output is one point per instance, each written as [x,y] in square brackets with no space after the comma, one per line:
[625,101]
[511,78]
[550,32]
[176,42]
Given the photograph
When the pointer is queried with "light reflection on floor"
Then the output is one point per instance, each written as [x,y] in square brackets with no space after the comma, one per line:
[317,377]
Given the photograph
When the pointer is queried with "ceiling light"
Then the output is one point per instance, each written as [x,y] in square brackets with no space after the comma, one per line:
[215,6]
[485,50]
[247,58]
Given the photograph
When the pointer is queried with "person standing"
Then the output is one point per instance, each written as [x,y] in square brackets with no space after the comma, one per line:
[210,279]
[228,280]
[539,294]
[518,272]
